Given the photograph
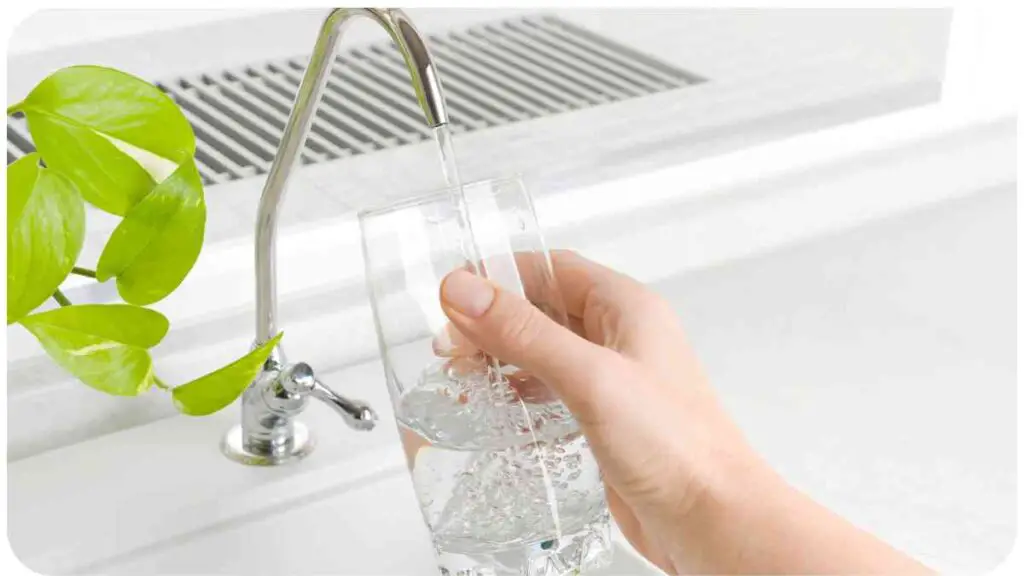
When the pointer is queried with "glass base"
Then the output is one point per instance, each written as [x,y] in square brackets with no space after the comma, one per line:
[573,554]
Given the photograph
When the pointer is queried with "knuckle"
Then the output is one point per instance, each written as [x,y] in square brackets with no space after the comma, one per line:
[522,328]
[604,377]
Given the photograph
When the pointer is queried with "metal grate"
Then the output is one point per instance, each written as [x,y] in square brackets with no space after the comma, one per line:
[493,74]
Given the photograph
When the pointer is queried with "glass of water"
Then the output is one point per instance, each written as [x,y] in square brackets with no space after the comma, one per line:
[506,482]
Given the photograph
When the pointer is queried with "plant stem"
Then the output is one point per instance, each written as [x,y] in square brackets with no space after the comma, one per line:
[13,108]
[61,298]
[160,383]
[84,272]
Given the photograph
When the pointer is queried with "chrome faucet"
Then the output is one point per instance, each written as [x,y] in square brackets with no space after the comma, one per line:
[269,434]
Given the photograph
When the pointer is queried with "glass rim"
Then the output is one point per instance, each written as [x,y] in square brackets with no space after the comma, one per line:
[434,195]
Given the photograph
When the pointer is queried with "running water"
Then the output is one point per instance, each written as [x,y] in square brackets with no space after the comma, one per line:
[506,483]
[453,182]
[449,164]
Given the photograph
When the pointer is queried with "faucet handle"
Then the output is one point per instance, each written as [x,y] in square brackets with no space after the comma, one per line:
[299,379]
[358,415]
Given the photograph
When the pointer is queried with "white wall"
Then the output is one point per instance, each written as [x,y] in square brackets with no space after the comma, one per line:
[47,29]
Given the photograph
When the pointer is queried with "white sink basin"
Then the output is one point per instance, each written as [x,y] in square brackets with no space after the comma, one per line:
[161,499]
[374,528]
[165,480]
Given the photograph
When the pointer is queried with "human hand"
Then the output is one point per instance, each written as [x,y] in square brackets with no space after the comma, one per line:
[627,375]
[683,484]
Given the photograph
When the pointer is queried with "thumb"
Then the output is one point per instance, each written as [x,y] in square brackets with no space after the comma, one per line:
[513,330]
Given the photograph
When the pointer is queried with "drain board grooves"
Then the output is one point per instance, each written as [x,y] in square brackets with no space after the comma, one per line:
[493,74]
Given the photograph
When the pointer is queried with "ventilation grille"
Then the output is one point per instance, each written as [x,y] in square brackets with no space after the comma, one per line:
[493,74]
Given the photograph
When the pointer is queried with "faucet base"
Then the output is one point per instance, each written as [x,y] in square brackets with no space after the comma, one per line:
[299,447]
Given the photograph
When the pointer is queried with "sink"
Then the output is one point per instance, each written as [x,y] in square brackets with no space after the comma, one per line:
[370,528]
[319,536]
[818,286]
[161,499]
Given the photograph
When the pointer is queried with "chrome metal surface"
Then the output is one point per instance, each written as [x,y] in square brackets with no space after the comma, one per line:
[271,403]
[356,414]
[302,444]
[269,434]
[426,85]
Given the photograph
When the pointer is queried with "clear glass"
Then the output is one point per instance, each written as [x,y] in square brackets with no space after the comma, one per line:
[506,482]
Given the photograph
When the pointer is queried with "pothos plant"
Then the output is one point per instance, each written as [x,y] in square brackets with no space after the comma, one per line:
[119,143]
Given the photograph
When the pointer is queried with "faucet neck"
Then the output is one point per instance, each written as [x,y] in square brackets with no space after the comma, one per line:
[269,434]
[426,84]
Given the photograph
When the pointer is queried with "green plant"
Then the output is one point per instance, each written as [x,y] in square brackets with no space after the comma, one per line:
[122,145]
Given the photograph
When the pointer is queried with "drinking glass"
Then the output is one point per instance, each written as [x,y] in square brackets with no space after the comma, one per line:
[506,482]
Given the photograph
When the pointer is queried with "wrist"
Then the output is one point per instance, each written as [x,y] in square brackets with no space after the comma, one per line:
[727,479]
[721,524]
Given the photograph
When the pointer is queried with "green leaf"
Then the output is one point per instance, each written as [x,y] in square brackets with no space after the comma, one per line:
[117,104]
[103,345]
[218,389]
[45,231]
[103,128]
[107,177]
[158,241]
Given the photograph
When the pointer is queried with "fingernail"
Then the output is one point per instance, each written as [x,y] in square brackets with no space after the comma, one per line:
[467,293]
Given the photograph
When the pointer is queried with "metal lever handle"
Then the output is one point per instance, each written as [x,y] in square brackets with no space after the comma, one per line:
[357,415]
[300,380]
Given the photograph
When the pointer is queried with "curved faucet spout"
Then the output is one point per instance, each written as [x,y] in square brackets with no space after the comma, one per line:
[269,434]
[425,82]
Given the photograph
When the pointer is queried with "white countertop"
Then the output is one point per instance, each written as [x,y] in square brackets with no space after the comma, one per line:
[889,437]
[186,498]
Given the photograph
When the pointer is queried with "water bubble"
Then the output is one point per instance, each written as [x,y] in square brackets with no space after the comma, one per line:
[499,478]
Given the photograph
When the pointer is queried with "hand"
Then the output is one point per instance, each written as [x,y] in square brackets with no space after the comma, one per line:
[626,374]
[682,483]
